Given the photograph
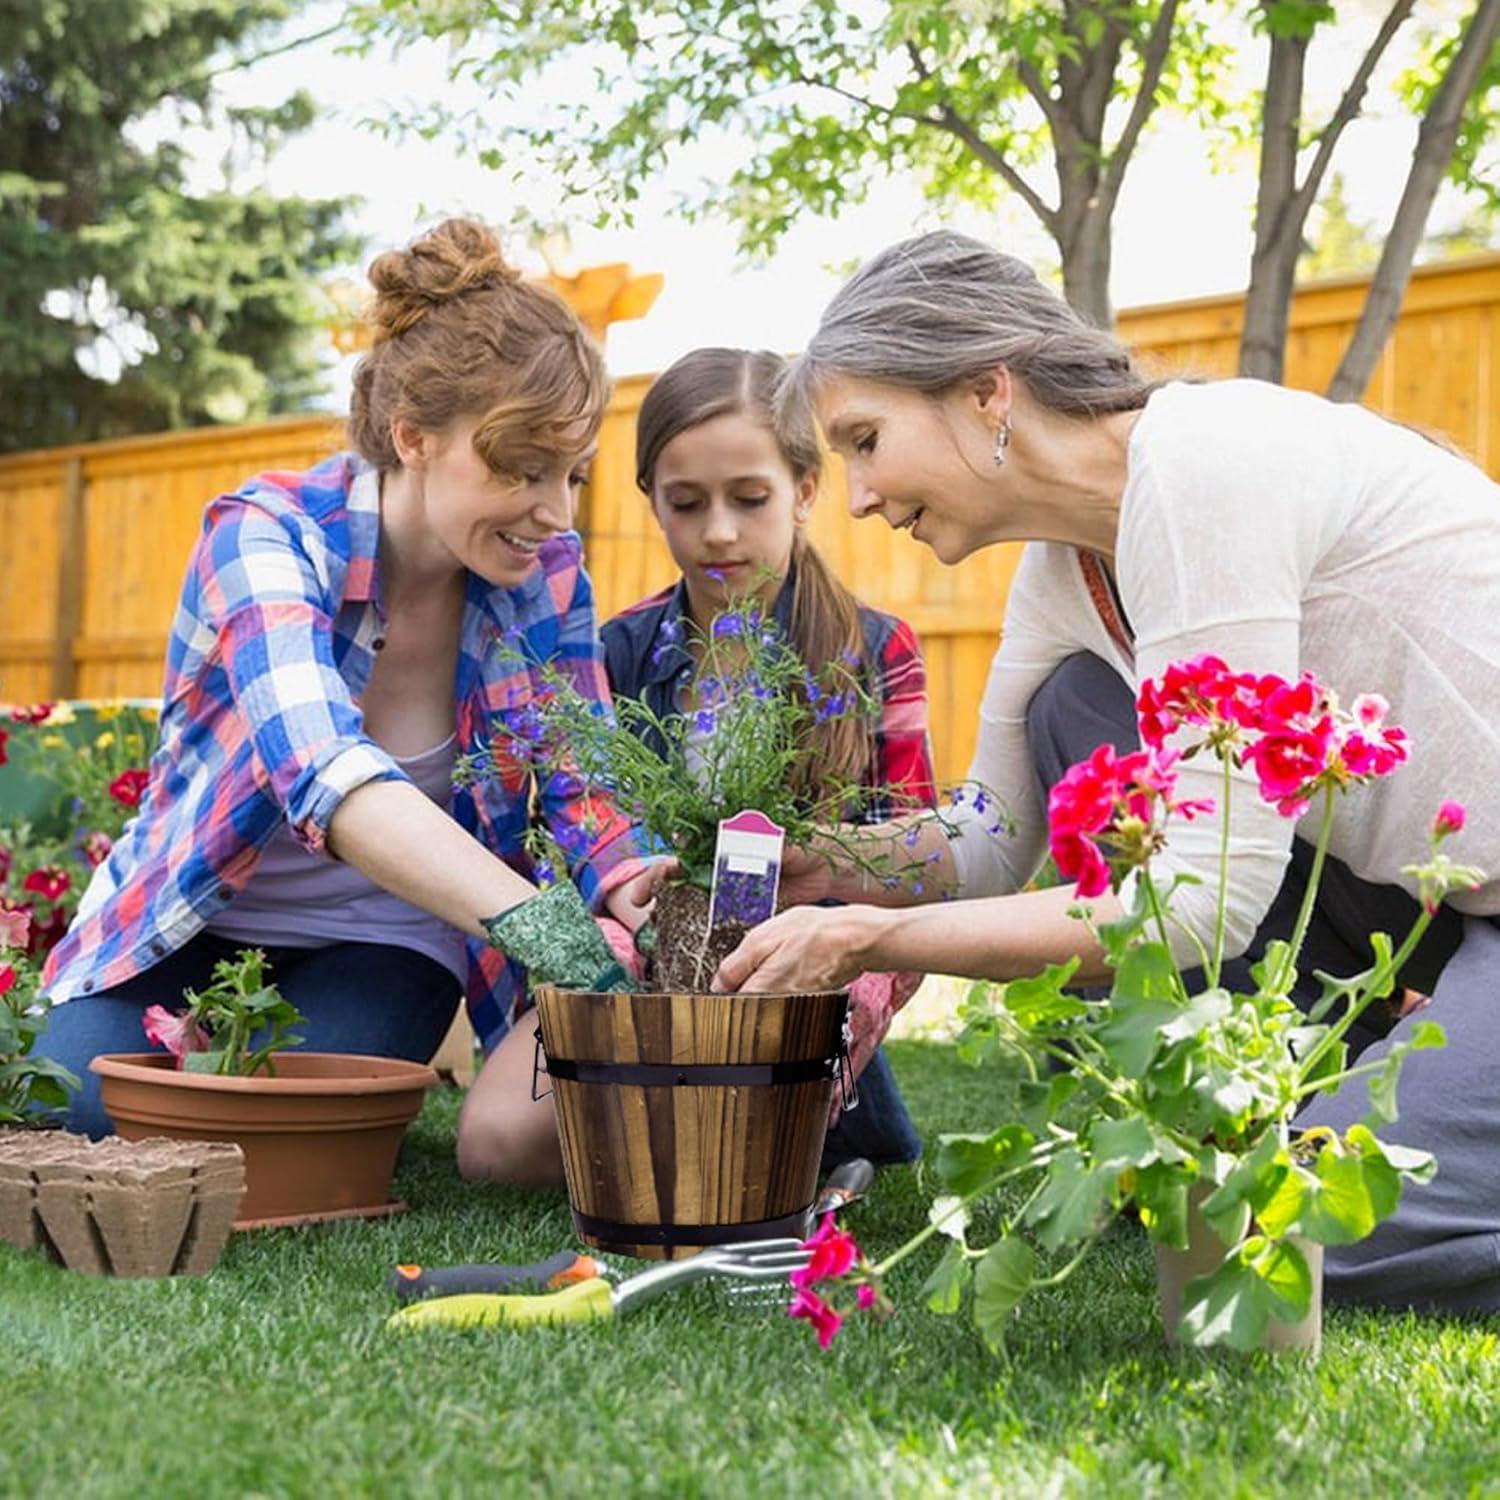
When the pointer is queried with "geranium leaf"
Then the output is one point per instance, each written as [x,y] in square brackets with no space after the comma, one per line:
[1039,1000]
[1233,1304]
[1132,1033]
[966,1162]
[1249,1184]
[1069,1206]
[944,1288]
[1161,1195]
[1038,1102]
[1001,1279]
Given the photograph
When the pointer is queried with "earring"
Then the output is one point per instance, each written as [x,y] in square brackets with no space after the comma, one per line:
[1002,441]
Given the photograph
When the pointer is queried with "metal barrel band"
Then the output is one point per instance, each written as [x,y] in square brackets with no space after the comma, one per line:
[701,1236]
[537,1070]
[695,1075]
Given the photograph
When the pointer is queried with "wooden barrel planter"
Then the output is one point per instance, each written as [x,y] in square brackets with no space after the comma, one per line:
[690,1120]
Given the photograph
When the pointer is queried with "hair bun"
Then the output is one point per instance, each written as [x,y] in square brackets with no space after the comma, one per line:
[458,257]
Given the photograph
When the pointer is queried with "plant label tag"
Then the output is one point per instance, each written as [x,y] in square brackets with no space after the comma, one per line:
[747,869]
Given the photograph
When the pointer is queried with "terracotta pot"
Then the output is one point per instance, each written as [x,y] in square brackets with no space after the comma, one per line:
[690,1120]
[1175,1268]
[320,1138]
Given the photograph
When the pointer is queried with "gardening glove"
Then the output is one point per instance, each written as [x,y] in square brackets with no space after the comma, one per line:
[558,940]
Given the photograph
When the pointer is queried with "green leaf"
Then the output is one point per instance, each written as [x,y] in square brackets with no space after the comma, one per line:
[1256,1281]
[965,1163]
[1118,1144]
[1354,1193]
[1161,1196]
[1039,1001]
[944,1289]
[1420,1166]
[204,1062]
[1038,1103]
[1249,1185]
[1001,1279]
[1132,1033]
[1070,1204]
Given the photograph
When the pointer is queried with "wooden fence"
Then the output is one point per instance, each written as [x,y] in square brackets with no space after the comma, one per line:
[93,539]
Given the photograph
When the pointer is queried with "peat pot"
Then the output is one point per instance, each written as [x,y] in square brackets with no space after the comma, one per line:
[690,1120]
[320,1138]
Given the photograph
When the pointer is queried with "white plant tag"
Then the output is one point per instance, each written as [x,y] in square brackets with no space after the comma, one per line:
[747,869]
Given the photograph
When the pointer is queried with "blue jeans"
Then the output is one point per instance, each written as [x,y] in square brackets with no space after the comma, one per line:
[879,1127]
[358,997]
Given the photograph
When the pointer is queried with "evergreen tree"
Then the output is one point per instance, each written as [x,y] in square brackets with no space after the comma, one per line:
[129,302]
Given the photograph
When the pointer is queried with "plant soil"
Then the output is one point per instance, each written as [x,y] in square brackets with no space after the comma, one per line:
[688,951]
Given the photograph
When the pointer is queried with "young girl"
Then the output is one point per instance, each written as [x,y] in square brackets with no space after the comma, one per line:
[334,650]
[732,497]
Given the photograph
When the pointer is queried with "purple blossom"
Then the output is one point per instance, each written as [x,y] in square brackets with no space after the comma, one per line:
[911,836]
[728,625]
[545,873]
[704,721]
[717,574]
[980,801]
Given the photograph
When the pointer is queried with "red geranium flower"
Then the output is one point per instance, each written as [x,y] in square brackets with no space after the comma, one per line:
[4,736]
[48,882]
[7,979]
[834,1254]
[127,787]
[36,713]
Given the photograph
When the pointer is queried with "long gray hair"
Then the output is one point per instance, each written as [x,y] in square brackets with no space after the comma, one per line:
[941,308]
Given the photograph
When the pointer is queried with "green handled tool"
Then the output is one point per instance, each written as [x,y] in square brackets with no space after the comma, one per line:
[595,1300]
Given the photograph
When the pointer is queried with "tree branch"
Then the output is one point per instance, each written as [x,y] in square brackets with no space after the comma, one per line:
[1348,110]
[1153,60]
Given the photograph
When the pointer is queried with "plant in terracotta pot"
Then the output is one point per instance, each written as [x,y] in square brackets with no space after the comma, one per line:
[742,743]
[319,1130]
[1181,1104]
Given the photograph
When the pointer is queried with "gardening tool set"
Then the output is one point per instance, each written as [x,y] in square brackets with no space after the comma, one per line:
[570,1287]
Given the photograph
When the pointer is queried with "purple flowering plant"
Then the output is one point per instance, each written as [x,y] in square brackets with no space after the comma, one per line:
[741,738]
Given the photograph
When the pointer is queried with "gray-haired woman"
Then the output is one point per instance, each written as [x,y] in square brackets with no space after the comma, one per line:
[1275,529]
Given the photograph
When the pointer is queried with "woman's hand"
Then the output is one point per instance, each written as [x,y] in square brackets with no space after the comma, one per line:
[806,948]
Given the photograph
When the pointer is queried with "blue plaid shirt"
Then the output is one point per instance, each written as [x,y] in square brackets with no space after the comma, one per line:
[271,648]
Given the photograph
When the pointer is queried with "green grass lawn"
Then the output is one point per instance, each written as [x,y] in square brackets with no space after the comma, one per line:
[274,1376]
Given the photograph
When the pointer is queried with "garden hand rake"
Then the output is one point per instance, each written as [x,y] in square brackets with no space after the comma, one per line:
[595,1300]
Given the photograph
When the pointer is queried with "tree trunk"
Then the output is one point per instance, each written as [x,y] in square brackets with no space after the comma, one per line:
[1278,229]
[1086,253]
[1435,142]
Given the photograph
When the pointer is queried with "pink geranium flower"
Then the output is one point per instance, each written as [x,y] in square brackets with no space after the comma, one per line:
[1119,801]
[15,927]
[1450,819]
[826,1321]
[179,1034]
[834,1253]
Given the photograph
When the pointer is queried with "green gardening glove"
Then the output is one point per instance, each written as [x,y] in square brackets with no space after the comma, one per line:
[558,941]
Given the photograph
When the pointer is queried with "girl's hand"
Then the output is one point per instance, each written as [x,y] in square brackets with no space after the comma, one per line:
[631,902]
[806,948]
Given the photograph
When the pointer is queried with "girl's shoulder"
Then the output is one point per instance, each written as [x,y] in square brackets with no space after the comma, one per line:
[631,638]
[889,640]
